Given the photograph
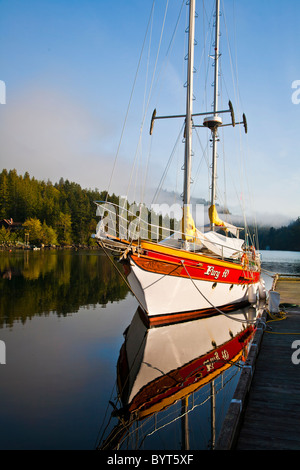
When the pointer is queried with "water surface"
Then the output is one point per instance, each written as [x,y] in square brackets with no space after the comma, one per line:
[62,318]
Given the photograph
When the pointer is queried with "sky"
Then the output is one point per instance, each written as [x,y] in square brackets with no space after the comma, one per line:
[79,94]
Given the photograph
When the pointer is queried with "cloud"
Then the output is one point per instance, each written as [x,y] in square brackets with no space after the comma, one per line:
[48,134]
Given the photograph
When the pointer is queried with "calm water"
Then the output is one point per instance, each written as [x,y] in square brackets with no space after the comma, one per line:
[62,318]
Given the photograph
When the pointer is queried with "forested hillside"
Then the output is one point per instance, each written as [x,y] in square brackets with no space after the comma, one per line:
[62,213]
[283,238]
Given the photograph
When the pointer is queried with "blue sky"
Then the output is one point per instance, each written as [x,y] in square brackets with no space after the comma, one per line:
[69,68]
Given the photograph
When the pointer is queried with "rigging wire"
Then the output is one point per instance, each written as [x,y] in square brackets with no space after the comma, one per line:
[211,304]
[203,396]
[243,160]
[170,46]
[130,100]
[103,429]
[144,108]
[163,66]
[123,277]
[167,167]
[163,178]
[142,342]
[206,67]
[149,95]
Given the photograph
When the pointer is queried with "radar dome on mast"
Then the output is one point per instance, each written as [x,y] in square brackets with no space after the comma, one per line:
[212,122]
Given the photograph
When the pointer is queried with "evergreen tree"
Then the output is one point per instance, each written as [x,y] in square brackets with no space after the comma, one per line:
[4,195]
[64,213]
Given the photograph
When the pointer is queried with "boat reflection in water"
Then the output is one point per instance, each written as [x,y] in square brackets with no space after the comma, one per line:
[167,365]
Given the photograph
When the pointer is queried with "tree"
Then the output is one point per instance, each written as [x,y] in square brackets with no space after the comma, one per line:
[49,236]
[64,229]
[4,195]
[34,227]
[4,236]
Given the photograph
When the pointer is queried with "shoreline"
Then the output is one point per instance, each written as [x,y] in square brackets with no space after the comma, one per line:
[75,246]
[42,248]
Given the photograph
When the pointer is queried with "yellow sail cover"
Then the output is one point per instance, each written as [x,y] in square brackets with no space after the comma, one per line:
[191,234]
[187,224]
[214,219]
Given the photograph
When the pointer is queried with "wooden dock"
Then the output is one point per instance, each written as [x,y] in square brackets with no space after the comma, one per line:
[265,411]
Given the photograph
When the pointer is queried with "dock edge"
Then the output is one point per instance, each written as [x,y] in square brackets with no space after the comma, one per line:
[233,418]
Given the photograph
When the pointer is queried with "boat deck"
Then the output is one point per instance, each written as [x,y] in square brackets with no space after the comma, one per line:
[265,411]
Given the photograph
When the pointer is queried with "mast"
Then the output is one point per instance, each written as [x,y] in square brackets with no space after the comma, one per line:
[189,111]
[185,439]
[214,129]
[213,414]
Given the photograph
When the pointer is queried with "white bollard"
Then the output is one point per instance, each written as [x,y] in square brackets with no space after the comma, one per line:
[274,301]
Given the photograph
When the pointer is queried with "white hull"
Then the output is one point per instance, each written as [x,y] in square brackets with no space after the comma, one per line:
[161,294]
[169,348]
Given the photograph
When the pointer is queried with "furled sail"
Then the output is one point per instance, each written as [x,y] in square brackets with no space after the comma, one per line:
[187,224]
[225,247]
[214,219]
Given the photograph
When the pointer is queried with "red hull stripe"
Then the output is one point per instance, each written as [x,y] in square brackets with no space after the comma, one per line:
[209,270]
[195,372]
[169,319]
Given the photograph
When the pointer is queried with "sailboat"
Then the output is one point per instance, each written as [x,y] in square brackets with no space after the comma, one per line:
[190,274]
[158,367]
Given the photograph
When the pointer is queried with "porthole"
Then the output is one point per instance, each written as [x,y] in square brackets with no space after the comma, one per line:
[231,287]
[214,285]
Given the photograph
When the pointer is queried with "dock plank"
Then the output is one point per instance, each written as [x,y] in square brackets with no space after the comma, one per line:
[264,413]
[271,418]
[289,289]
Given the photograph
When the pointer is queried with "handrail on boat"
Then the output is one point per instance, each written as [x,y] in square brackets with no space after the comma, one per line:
[118,223]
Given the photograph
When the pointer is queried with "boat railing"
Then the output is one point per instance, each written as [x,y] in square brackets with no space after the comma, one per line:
[119,223]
